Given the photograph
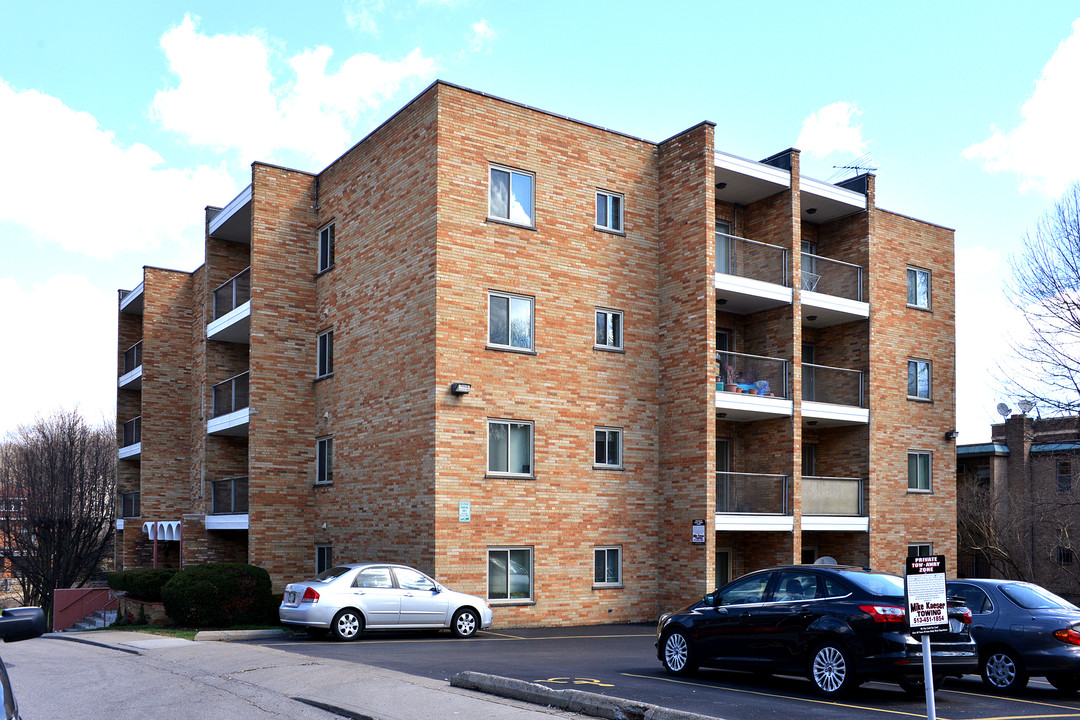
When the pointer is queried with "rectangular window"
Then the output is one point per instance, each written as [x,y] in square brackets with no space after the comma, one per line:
[920,549]
[609,211]
[326,248]
[918,471]
[510,447]
[1064,477]
[510,573]
[510,321]
[918,379]
[607,566]
[324,558]
[510,196]
[608,448]
[918,288]
[609,329]
[1064,555]
[324,461]
[326,354]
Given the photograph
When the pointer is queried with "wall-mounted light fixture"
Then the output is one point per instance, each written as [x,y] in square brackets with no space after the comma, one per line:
[811,318]
[721,185]
[951,434]
[721,301]
[460,388]
[811,211]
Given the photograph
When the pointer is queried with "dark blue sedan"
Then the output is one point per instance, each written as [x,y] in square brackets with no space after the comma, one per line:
[1022,630]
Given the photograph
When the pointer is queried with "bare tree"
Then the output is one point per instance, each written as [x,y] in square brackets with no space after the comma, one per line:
[995,523]
[57,485]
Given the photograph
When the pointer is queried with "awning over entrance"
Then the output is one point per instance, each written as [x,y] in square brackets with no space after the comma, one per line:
[163,530]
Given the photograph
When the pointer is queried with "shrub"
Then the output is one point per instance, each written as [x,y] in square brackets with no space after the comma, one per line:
[218,595]
[142,584]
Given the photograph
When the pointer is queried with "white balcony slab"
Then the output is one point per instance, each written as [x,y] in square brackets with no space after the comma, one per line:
[742,295]
[743,407]
[131,380]
[755,523]
[829,310]
[234,221]
[235,423]
[838,523]
[233,326]
[227,522]
[132,303]
[830,415]
[129,452]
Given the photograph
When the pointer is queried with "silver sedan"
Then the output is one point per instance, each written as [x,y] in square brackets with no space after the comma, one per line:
[349,599]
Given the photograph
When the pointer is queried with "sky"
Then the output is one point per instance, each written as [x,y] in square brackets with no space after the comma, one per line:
[121,121]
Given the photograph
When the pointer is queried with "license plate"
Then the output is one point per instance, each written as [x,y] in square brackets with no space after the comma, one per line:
[290,597]
[955,626]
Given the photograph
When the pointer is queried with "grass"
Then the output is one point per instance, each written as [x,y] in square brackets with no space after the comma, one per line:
[185,633]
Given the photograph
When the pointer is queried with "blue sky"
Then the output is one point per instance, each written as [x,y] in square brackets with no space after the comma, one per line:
[121,121]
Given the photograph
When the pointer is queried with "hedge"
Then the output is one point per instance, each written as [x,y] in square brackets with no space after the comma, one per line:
[219,595]
[141,584]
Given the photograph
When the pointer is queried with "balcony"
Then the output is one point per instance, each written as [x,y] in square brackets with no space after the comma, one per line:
[131,445]
[131,378]
[833,396]
[752,501]
[232,310]
[231,412]
[229,505]
[834,503]
[750,276]
[131,301]
[233,222]
[831,292]
[751,387]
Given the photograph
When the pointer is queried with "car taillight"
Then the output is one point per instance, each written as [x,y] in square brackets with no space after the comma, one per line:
[310,595]
[1068,635]
[965,616]
[884,613]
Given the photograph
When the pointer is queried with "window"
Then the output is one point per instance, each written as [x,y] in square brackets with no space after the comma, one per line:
[918,288]
[725,248]
[918,379]
[324,461]
[374,577]
[510,574]
[609,329]
[918,471]
[1064,555]
[510,321]
[608,448]
[510,196]
[920,549]
[607,566]
[326,354]
[975,598]
[747,590]
[1064,477]
[609,211]
[326,248]
[324,558]
[409,579]
[510,447]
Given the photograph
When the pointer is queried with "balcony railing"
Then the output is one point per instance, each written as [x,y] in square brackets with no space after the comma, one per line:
[229,497]
[129,505]
[831,277]
[751,259]
[231,395]
[836,386]
[751,493]
[133,432]
[232,293]
[833,496]
[132,357]
[754,374]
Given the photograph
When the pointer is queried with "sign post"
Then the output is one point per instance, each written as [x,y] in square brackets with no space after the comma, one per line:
[927,611]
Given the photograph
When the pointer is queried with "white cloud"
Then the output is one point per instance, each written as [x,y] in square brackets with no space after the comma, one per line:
[1042,149]
[483,35]
[43,371]
[360,15]
[830,130]
[228,97]
[97,196]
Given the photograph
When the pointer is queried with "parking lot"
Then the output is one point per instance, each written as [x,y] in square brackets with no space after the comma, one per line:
[621,661]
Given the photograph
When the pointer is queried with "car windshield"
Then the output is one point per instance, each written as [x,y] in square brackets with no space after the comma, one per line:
[1033,597]
[331,574]
[877,583]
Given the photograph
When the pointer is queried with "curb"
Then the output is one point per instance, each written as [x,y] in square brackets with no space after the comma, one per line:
[579,701]
[230,635]
[87,641]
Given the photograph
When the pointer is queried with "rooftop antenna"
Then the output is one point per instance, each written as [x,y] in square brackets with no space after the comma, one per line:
[857,167]
[1003,410]
[1025,406]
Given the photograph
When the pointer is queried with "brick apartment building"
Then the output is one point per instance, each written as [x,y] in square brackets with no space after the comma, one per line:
[584,375]
[1032,465]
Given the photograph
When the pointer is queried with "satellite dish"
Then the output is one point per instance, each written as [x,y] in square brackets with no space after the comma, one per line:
[1003,410]
[1025,406]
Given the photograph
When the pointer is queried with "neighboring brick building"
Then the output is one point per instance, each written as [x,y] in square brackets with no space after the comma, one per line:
[594,292]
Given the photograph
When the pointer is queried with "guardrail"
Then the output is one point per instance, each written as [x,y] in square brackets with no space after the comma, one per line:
[232,293]
[752,493]
[832,496]
[231,395]
[751,259]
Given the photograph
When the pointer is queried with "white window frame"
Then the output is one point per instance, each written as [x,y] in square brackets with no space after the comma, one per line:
[929,379]
[917,271]
[919,547]
[326,247]
[607,313]
[607,550]
[324,460]
[324,354]
[532,448]
[614,215]
[607,431]
[511,298]
[929,472]
[508,218]
[532,574]
[324,557]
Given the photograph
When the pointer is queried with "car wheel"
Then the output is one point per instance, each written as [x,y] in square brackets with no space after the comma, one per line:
[465,623]
[347,625]
[678,655]
[1003,672]
[914,685]
[1065,682]
[317,633]
[831,670]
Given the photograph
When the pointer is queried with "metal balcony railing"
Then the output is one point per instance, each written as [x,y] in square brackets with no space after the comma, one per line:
[831,277]
[833,496]
[230,496]
[231,395]
[133,431]
[233,293]
[129,505]
[751,259]
[754,374]
[837,386]
[752,493]
[132,357]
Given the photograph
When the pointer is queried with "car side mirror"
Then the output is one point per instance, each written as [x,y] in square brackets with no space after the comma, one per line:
[22,623]
[436,589]
[712,599]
